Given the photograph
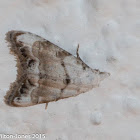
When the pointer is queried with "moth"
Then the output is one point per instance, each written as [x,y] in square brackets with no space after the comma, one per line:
[46,72]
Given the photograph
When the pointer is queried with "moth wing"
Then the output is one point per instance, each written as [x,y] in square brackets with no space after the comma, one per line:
[46,72]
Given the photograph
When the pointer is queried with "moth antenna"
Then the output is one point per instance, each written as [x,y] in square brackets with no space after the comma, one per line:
[46,106]
[77,52]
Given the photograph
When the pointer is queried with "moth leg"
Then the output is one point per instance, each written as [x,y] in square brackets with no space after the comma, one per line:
[46,106]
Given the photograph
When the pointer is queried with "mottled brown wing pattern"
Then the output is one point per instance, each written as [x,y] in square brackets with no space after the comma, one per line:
[46,72]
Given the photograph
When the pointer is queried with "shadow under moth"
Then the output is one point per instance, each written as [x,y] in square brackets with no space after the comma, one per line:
[46,72]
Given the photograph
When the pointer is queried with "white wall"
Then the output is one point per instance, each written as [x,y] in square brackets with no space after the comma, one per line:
[108,32]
